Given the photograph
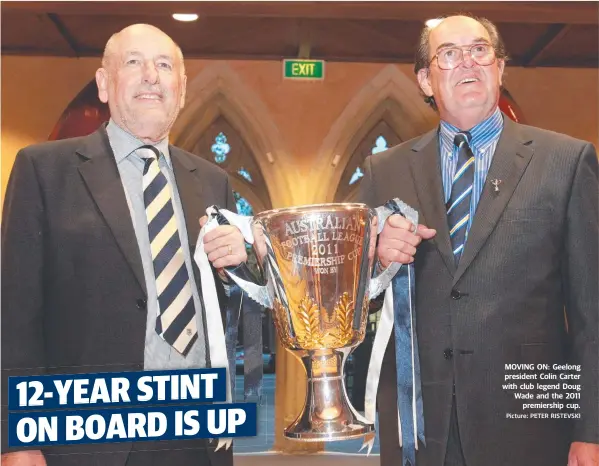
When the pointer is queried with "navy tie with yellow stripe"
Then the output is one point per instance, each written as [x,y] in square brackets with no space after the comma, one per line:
[458,206]
[175,322]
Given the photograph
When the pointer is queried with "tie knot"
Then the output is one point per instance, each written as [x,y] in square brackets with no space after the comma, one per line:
[148,152]
[461,138]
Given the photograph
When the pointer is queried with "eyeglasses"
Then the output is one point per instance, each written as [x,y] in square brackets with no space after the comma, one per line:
[452,57]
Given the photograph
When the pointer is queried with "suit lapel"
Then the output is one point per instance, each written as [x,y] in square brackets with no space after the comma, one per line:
[511,158]
[101,175]
[426,170]
[190,193]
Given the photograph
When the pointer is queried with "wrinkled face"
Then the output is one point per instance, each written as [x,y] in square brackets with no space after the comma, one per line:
[143,83]
[470,91]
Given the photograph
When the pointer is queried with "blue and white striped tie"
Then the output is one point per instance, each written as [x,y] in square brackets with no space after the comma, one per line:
[458,206]
[175,322]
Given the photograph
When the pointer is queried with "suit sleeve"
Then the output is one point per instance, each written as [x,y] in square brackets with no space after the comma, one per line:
[580,283]
[22,278]
[367,188]
[367,195]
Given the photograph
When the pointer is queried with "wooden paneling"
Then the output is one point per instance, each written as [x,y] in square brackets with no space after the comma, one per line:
[535,33]
[574,47]
[29,33]
[515,11]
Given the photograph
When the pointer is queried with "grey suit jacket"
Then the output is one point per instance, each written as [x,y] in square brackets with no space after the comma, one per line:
[531,252]
[73,291]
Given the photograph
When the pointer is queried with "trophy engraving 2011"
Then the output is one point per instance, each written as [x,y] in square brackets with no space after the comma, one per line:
[319,284]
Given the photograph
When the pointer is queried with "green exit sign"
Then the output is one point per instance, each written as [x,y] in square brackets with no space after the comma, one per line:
[303,69]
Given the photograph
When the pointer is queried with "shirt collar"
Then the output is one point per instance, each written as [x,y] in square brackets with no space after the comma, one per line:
[482,134]
[124,144]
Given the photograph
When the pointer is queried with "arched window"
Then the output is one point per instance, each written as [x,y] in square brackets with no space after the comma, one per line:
[380,145]
[380,138]
[224,146]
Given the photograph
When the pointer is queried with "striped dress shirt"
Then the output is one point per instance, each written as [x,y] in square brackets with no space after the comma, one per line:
[485,137]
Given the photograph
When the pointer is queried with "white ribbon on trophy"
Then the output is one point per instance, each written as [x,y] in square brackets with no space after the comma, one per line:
[214,324]
[383,335]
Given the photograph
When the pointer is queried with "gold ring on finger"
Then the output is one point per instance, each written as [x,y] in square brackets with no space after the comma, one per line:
[229,250]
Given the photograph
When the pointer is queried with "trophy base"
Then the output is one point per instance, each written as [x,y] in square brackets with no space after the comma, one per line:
[332,432]
[327,414]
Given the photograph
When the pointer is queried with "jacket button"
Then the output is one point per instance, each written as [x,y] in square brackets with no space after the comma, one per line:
[455,294]
[141,304]
[448,353]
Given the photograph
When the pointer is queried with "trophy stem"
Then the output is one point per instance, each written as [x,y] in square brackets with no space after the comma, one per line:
[327,413]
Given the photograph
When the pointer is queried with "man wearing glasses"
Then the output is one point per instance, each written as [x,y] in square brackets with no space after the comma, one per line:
[506,271]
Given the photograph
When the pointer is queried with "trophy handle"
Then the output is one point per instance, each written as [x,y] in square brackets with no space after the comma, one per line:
[243,276]
[380,282]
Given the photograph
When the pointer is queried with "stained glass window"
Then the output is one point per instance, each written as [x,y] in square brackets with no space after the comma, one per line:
[243,206]
[220,148]
[356,176]
[380,145]
[378,139]
[246,174]
[223,145]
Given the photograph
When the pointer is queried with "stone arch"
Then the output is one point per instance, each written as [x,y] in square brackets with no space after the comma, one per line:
[390,94]
[218,91]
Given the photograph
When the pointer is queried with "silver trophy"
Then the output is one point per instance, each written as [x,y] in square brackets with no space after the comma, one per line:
[318,285]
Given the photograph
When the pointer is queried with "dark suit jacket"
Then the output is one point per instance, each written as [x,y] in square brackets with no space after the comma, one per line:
[531,252]
[73,290]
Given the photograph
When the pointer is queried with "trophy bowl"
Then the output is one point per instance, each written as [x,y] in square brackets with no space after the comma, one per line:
[318,275]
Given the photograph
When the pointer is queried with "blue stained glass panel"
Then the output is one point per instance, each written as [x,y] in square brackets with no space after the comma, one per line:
[246,174]
[243,206]
[356,176]
[380,145]
[220,148]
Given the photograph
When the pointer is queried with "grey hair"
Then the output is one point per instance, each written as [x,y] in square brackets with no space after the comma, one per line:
[421,60]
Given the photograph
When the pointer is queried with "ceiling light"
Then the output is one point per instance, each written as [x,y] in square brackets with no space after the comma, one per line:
[185,16]
[431,23]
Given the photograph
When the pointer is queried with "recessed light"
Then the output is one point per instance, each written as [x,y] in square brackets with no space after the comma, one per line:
[185,16]
[431,23]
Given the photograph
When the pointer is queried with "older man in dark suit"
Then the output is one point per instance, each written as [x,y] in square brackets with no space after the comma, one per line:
[98,235]
[510,242]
